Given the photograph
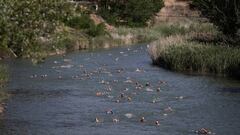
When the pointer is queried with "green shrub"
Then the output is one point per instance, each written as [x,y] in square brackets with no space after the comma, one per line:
[223,13]
[168,30]
[80,22]
[96,30]
[129,12]
[23,22]
[86,24]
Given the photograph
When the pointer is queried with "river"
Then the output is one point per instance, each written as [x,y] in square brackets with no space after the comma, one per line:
[66,94]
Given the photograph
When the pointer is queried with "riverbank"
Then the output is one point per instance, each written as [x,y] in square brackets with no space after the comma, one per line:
[68,40]
[3,80]
[198,48]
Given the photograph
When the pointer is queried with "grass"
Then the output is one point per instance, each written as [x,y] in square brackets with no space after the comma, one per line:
[149,34]
[195,48]
[200,58]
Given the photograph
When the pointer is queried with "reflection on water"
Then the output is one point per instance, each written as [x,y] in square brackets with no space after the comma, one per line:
[116,88]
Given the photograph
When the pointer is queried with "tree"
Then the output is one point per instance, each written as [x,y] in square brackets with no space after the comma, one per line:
[23,22]
[223,13]
[129,12]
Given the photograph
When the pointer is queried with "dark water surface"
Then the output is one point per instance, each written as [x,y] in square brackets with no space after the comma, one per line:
[59,97]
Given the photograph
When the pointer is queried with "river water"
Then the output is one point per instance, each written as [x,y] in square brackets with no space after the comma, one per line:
[65,94]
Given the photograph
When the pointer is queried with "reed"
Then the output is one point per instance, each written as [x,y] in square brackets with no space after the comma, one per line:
[194,47]
[176,53]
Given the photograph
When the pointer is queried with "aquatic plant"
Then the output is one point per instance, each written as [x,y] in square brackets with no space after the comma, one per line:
[176,53]
[195,47]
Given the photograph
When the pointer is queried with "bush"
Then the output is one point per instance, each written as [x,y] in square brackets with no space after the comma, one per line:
[223,13]
[80,22]
[96,30]
[131,12]
[23,22]
[85,23]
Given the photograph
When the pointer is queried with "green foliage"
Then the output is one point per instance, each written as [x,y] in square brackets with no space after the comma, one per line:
[96,30]
[80,22]
[223,13]
[129,12]
[83,22]
[22,22]
[191,29]
[172,30]
[202,58]
[194,47]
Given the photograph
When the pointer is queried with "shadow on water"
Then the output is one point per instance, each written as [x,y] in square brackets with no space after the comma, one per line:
[231,90]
